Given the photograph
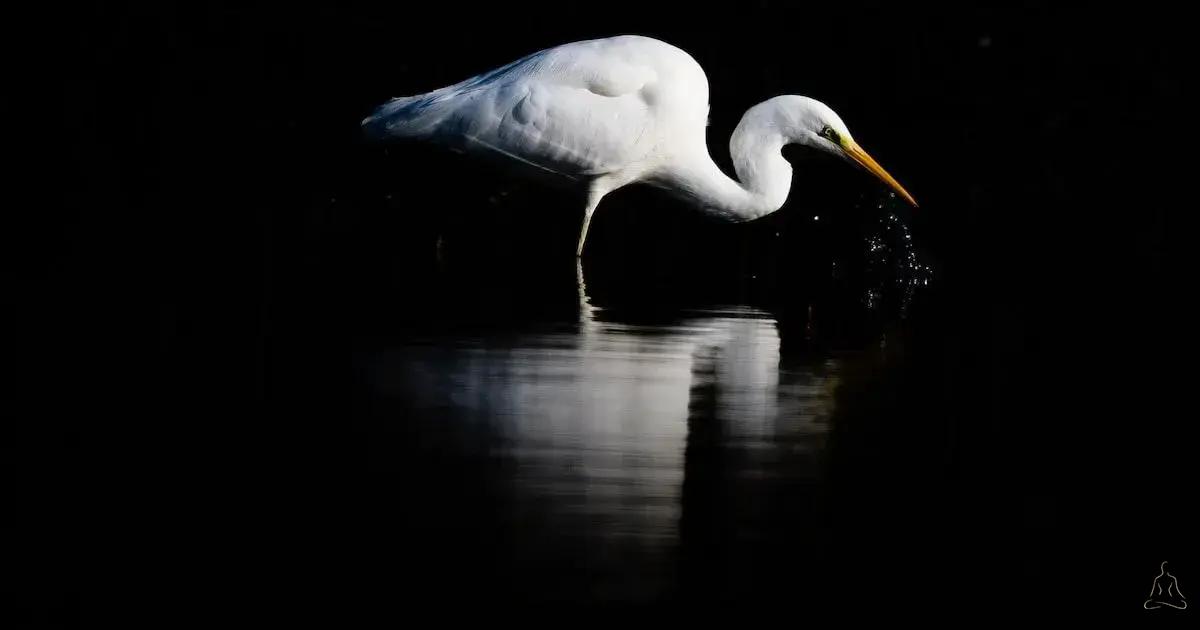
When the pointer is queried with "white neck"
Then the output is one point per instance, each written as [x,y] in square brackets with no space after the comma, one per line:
[765,176]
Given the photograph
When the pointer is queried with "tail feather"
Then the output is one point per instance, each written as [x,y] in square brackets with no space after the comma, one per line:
[402,117]
[420,116]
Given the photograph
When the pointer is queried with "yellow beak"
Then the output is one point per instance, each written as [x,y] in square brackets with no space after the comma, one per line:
[857,154]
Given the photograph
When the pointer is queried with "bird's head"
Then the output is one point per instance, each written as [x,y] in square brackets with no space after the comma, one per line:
[811,123]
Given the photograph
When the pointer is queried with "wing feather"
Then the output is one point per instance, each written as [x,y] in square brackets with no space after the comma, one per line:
[580,109]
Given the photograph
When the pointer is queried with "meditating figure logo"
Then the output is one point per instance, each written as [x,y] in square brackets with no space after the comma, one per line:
[1165,592]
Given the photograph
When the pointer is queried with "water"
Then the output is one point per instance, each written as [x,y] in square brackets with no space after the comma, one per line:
[608,452]
[658,423]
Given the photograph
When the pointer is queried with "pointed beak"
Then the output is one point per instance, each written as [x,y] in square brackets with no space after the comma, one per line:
[856,153]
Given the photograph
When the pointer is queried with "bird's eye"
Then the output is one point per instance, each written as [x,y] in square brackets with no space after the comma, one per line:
[828,132]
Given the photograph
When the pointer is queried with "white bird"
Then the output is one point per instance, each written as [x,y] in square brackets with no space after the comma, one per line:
[605,113]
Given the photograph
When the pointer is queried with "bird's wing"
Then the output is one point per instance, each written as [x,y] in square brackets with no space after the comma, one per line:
[581,109]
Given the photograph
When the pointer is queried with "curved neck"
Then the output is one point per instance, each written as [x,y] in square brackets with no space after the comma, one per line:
[765,176]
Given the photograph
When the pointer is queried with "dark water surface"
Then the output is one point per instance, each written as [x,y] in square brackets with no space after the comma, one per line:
[549,430]
[623,460]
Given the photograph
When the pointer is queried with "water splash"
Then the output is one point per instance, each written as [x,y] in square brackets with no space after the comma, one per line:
[894,270]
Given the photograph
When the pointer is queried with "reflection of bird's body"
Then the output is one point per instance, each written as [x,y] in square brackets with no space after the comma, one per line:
[606,113]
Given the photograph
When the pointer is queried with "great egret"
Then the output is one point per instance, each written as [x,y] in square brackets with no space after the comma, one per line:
[605,113]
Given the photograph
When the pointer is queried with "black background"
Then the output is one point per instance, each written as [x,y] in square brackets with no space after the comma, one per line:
[212,229]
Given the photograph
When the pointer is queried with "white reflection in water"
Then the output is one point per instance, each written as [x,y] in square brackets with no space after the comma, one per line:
[595,423]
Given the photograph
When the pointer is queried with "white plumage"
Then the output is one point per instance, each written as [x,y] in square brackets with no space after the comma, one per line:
[606,113]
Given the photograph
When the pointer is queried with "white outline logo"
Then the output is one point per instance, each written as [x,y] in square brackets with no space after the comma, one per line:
[1168,595]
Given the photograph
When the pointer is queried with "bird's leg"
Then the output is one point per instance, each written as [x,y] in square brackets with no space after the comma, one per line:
[586,312]
[593,200]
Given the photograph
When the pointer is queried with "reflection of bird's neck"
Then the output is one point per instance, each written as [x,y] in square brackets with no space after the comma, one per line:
[765,176]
